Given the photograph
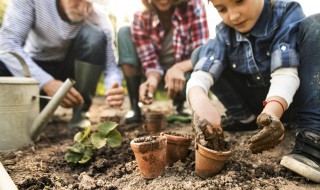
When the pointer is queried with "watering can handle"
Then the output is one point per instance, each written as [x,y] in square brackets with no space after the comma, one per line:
[23,63]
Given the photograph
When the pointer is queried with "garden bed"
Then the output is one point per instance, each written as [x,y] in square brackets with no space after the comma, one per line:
[42,165]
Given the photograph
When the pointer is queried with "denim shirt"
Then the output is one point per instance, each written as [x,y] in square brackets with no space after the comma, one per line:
[269,45]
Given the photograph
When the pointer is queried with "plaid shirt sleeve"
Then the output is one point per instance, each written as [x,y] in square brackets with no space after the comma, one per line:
[141,29]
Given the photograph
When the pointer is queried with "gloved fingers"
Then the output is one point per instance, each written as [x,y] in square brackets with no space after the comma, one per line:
[277,136]
[256,149]
[275,129]
[261,135]
[266,133]
[264,119]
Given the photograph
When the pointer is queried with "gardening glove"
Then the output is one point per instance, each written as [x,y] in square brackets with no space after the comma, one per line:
[207,135]
[272,133]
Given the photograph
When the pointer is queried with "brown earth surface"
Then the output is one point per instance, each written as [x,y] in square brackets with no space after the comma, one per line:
[42,165]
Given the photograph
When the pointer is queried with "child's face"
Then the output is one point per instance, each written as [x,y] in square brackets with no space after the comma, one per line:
[241,15]
[163,5]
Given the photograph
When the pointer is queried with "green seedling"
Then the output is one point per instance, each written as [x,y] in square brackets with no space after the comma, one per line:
[88,142]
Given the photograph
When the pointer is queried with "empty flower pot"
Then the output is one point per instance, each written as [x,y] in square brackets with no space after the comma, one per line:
[150,154]
[209,162]
[177,147]
[154,121]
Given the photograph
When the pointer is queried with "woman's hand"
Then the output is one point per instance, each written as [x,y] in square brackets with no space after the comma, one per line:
[174,81]
[148,88]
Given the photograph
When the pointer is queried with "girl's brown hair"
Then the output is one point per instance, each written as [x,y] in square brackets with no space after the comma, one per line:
[149,7]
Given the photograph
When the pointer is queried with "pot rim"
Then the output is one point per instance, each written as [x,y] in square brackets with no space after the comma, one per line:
[160,141]
[133,141]
[18,80]
[208,152]
[176,139]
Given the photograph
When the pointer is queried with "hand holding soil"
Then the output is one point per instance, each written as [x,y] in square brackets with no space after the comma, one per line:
[272,133]
[146,94]
[207,135]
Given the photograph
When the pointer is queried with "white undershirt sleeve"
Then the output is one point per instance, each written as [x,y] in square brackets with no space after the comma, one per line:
[284,83]
[200,78]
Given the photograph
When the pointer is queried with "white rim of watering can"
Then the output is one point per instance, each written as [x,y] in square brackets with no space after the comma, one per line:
[22,62]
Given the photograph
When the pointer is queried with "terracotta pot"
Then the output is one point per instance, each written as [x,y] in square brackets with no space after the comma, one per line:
[150,154]
[209,162]
[154,121]
[177,147]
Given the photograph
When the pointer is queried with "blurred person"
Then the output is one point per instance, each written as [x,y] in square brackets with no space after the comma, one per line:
[59,39]
[158,45]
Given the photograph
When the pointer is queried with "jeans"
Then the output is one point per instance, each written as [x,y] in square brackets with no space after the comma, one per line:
[241,100]
[89,46]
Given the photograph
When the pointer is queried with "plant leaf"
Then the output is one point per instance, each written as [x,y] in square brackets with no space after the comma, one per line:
[89,152]
[79,137]
[98,141]
[72,157]
[105,127]
[77,148]
[114,138]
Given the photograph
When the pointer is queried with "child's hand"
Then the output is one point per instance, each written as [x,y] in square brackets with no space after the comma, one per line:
[272,133]
[206,134]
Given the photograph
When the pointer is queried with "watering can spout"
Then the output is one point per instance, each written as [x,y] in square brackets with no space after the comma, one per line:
[42,119]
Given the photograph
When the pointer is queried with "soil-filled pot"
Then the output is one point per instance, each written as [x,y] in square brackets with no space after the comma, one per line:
[154,121]
[150,154]
[177,147]
[209,162]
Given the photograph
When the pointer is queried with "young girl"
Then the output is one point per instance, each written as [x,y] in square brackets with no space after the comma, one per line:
[263,60]
[160,42]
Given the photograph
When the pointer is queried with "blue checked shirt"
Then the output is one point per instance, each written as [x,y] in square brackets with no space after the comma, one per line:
[271,44]
[34,30]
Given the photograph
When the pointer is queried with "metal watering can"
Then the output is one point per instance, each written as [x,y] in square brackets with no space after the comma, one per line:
[20,120]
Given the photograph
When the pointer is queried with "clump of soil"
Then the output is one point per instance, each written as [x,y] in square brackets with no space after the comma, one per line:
[209,136]
[145,139]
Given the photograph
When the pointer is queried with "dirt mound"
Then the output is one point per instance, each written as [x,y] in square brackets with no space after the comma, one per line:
[42,165]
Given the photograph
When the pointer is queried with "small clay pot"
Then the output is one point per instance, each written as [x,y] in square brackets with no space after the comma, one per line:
[154,121]
[177,147]
[150,154]
[209,162]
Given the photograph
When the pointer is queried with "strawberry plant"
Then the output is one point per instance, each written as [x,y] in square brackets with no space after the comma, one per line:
[88,142]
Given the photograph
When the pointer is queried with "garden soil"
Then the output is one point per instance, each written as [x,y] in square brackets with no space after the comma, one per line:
[42,165]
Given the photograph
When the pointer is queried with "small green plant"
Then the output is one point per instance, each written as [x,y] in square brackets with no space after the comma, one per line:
[88,143]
